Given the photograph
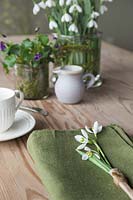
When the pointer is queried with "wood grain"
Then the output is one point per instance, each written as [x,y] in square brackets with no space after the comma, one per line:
[112,103]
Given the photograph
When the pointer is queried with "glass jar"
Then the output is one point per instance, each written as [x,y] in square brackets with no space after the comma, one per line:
[33,82]
[83,51]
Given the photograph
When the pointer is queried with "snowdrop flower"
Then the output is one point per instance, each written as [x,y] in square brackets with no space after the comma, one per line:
[88,154]
[68,2]
[55,36]
[36,9]
[52,25]
[50,3]
[103,9]
[42,5]
[75,7]
[83,139]
[94,15]
[73,28]
[108,0]
[95,129]
[66,18]
[61,3]
[92,23]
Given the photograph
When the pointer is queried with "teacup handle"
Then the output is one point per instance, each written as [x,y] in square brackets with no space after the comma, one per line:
[91,82]
[21,98]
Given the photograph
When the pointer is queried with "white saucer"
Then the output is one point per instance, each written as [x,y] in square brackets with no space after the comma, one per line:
[23,124]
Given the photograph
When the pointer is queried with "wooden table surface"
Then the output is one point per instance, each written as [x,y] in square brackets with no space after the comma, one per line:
[111,103]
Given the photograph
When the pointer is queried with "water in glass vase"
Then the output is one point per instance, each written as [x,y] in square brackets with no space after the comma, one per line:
[84,51]
[33,82]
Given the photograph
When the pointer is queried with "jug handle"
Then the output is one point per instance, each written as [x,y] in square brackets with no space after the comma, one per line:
[56,71]
[90,83]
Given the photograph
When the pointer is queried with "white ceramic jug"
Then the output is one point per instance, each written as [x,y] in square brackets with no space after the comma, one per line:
[70,87]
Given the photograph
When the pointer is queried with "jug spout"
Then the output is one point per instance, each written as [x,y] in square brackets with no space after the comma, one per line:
[68,70]
[57,70]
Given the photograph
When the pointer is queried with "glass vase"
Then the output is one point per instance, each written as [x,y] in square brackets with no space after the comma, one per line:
[33,82]
[83,51]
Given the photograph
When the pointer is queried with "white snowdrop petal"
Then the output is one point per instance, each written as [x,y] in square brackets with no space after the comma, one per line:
[73,28]
[108,0]
[85,157]
[100,128]
[103,9]
[66,18]
[75,7]
[36,9]
[61,3]
[87,149]
[71,9]
[95,127]
[95,25]
[42,5]
[52,25]
[84,133]
[68,2]
[82,146]
[94,15]
[79,9]
[79,138]
[90,24]
[50,3]
[88,129]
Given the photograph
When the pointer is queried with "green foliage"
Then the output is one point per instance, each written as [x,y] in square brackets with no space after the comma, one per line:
[29,52]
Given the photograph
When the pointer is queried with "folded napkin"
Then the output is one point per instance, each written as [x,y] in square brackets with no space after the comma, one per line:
[67,177]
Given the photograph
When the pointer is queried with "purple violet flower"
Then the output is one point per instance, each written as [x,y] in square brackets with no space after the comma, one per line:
[37,57]
[2,46]
[57,46]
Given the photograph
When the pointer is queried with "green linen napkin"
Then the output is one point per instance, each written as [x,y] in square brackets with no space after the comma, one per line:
[67,177]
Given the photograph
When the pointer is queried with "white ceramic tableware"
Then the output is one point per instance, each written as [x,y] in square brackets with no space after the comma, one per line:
[8,107]
[23,124]
[70,87]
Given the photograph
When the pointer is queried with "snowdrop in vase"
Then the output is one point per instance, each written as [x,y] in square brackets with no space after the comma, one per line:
[70,87]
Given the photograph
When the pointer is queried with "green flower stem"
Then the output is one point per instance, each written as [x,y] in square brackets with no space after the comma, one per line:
[100,150]
[99,163]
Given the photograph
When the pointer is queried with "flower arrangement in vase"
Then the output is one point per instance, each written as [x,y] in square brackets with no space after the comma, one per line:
[29,59]
[75,23]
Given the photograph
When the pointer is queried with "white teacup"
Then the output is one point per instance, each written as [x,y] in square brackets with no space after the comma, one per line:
[8,107]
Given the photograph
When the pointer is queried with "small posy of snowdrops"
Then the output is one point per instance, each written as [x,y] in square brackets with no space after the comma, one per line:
[72,17]
[89,148]
[88,137]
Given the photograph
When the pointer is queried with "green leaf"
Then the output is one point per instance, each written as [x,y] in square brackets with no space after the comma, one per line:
[5,68]
[27,43]
[43,39]
[9,61]
[87,7]
[14,49]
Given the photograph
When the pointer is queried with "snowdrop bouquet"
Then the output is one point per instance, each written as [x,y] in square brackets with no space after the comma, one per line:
[72,17]
[90,150]
[78,41]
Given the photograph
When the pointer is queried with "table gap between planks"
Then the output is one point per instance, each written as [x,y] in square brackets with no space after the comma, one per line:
[111,103]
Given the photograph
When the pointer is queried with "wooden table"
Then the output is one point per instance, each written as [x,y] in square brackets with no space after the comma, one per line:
[111,103]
